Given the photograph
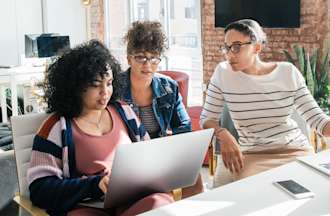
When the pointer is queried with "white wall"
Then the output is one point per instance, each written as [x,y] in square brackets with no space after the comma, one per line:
[20,17]
[67,17]
[17,18]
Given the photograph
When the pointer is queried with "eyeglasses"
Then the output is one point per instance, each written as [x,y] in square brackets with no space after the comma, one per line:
[234,48]
[143,59]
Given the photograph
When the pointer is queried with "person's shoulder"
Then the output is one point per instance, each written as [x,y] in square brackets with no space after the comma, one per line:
[285,64]
[221,71]
[118,103]
[123,73]
[163,79]
[223,68]
[290,74]
[288,68]
[122,106]
[51,123]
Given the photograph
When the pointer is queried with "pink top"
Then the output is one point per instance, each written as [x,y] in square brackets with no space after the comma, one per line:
[95,154]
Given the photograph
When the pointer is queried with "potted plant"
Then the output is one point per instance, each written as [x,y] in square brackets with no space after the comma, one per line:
[316,71]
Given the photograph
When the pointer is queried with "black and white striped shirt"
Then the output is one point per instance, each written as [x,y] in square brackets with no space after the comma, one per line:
[149,121]
[261,106]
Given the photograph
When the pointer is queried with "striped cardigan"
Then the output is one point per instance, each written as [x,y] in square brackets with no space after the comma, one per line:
[261,106]
[54,182]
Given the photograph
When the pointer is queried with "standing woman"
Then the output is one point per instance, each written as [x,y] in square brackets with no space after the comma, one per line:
[261,97]
[155,98]
[73,150]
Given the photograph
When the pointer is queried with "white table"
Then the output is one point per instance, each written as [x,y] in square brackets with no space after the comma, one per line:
[257,195]
[12,77]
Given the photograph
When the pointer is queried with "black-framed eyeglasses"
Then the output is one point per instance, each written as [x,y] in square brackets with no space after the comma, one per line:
[143,59]
[234,48]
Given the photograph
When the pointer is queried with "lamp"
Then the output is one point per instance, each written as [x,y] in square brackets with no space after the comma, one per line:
[86,2]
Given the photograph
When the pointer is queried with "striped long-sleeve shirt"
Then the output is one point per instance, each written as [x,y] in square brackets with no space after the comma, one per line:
[261,106]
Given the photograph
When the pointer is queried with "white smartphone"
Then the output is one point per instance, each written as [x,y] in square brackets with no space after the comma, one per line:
[293,188]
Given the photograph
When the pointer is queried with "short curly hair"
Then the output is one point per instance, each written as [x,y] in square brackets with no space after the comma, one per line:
[145,36]
[72,73]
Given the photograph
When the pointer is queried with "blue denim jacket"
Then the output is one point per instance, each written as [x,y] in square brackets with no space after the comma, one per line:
[166,103]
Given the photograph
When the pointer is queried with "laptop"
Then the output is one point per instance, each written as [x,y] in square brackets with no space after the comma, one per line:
[157,165]
[320,161]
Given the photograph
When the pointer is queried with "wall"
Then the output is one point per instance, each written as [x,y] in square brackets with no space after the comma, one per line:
[17,18]
[20,17]
[66,18]
[327,40]
[96,19]
[312,34]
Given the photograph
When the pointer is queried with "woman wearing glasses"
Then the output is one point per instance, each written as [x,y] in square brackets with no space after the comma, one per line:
[155,98]
[260,96]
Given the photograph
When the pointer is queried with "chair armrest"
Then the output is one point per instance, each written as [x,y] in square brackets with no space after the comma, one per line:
[177,194]
[29,207]
[213,151]
[212,163]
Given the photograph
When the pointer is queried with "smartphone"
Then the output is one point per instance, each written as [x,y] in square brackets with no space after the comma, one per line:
[293,188]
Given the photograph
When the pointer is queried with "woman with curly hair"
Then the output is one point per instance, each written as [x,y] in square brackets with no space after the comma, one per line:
[155,98]
[74,148]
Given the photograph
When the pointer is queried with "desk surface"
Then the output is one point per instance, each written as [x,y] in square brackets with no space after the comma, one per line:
[257,195]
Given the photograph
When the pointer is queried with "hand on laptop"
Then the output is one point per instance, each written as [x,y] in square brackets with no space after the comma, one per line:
[231,154]
[103,184]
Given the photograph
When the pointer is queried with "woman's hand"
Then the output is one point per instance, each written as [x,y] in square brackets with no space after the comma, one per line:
[103,184]
[231,154]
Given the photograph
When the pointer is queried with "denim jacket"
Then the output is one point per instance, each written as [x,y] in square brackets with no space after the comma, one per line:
[166,103]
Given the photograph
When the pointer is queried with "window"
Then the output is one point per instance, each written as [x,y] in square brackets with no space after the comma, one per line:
[143,9]
[190,9]
[172,12]
[184,36]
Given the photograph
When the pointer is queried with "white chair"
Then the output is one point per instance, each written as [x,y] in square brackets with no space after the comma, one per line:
[24,127]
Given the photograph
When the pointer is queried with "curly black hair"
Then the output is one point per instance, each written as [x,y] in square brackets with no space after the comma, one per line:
[72,73]
[145,36]
[250,28]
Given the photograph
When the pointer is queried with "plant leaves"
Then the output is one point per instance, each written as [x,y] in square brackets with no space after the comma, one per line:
[300,57]
[309,76]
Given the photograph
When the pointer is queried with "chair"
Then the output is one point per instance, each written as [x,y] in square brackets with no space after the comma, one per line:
[182,80]
[193,112]
[24,128]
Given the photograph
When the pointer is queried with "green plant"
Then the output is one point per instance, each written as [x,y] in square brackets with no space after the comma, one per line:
[316,71]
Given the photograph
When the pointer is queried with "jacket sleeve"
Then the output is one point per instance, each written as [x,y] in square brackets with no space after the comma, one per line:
[49,188]
[180,122]
[60,195]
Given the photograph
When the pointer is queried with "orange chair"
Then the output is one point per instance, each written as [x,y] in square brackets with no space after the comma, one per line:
[183,82]
[194,111]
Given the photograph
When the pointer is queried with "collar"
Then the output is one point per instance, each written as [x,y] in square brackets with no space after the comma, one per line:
[159,88]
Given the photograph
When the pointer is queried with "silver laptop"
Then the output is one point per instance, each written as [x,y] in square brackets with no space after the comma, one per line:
[157,165]
[320,161]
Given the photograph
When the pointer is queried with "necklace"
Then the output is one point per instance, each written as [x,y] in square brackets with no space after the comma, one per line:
[97,124]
